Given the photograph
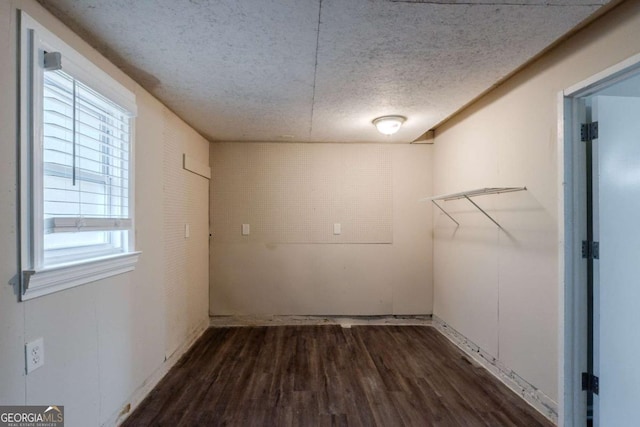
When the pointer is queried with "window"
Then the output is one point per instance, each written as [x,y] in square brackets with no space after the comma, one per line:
[76,167]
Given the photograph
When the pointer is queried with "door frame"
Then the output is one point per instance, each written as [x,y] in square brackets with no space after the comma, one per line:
[572,229]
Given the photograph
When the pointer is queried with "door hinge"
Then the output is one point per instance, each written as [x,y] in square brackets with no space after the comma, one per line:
[589,131]
[590,250]
[590,383]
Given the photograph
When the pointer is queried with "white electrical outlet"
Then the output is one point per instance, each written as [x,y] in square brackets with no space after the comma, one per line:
[35,354]
[337,228]
[246,229]
[187,231]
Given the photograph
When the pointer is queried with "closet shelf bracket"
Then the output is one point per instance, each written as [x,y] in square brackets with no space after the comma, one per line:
[468,195]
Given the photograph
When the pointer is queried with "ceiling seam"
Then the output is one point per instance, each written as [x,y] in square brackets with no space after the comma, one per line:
[604,10]
[315,68]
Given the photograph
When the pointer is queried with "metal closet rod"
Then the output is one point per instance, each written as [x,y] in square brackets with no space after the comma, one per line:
[472,193]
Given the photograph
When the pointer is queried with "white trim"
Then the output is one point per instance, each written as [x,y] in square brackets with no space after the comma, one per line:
[36,279]
[26,138]
[604,78]
[565,232]
[572,276]
[563,185]
[528,392]
[571,165]
[131,235]
[81,68]
[193,165]
[37,283]
[147,386]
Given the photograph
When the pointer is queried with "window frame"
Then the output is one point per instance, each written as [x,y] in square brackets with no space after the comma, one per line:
[66,177]
[36,278]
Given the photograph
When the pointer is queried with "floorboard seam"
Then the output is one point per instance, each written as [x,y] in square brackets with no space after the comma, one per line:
[371,374]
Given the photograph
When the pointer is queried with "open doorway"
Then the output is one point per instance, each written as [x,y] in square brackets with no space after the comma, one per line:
[602,248]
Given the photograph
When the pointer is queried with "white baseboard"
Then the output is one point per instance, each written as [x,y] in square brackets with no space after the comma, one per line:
[533,396]
[344,321]
[138,396]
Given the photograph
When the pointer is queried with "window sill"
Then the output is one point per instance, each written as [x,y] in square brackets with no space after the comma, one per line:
[36,283]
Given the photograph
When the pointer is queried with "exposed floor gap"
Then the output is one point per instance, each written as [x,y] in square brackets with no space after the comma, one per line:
[471,3]
[300,320]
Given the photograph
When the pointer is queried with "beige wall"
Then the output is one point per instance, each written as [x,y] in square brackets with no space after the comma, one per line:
[291,263]
[103,340]
[186,260]
[501,289]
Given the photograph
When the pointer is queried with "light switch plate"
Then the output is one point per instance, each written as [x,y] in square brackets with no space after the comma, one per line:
[187,231]
[245,229]
[337,228]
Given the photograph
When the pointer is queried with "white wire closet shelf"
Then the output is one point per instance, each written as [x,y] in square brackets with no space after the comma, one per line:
[468,195]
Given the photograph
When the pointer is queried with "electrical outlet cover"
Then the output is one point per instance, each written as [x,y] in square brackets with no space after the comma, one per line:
[34,352]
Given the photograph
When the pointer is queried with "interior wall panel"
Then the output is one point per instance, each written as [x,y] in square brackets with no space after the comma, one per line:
[292,262]
[510,138]
[175,245]
[294,193]
[104,341]
[185,205]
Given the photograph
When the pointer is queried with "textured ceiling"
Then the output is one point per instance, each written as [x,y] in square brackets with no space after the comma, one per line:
[318,70]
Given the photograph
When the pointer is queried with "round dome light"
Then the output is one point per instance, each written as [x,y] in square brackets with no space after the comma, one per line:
[388,125]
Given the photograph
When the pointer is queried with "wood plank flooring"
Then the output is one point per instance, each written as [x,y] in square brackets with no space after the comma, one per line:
[330,376]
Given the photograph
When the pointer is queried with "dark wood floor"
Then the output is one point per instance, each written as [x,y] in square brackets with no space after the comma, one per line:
[327,375]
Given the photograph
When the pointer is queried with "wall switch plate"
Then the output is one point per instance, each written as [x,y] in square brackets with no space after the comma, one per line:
[34,352]
[337,228]
[187,231]
[245,229]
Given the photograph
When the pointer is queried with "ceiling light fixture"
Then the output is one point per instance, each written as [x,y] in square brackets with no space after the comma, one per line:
[388,125]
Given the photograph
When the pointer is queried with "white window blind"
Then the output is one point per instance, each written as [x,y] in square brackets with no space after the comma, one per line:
[76,167]
[86,165]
